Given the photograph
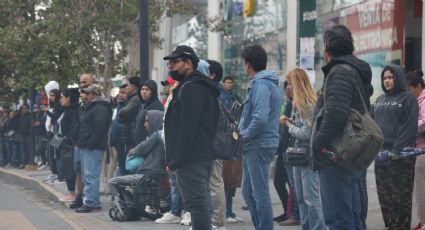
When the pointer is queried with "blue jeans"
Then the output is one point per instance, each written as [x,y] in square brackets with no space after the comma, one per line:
[290,173]
[91,165]
[229,193]
[340,198]
[308,198]
[176,200]
[255,186]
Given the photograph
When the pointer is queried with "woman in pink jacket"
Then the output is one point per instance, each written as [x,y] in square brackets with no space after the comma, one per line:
[417,87]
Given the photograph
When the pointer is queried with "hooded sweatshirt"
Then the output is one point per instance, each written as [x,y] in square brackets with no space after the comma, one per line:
[153,103]
[152,148]
[396,113]
[259,124]
[191,121]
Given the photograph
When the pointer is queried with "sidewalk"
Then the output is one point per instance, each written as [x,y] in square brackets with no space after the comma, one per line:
[33,180]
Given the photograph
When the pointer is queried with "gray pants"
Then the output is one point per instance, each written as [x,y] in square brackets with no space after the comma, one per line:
[218,199]
[192,180]
[122,181]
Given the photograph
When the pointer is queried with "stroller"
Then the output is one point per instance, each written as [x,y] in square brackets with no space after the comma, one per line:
[152,190]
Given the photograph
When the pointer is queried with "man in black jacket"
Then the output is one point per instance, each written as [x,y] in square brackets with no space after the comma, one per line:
[338,186]
[190,125]
[94,121]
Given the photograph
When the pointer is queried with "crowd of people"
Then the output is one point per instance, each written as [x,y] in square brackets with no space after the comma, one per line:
[71,129]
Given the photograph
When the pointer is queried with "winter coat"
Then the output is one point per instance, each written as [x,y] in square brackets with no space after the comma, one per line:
[301,128]
[25,125]
[116,138]
[191,121]
[420,141]
[69,122]
[259,124]
[396,113]
[153,103]
[94,121]
[127,118]
[341,96]
[152,148]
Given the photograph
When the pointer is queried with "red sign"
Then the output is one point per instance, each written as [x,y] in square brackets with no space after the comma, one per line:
[418,8]
[376,25]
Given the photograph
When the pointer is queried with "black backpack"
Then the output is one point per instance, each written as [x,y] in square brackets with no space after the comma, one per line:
[227,141]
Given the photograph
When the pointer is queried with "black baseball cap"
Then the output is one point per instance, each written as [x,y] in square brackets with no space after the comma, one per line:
[184,52]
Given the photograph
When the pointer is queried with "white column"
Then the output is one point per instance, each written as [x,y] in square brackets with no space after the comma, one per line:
[423,35]
[214,39]
[291,35]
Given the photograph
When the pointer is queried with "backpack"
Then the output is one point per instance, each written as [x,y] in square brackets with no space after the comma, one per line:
[227,142]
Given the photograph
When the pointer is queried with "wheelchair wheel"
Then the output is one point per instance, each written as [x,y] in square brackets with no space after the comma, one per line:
[112,214]
[121,217]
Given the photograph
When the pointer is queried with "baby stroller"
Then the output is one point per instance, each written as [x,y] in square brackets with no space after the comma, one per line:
[152,190]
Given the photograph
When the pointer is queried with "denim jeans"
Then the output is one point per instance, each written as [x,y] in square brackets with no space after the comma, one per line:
[193,181]
[340,198]
[91,165]
[176,200]
[308,198]
[255,186]
[229,192]
[295,213]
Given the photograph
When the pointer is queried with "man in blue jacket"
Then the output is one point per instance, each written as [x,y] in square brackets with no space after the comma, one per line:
[259,128]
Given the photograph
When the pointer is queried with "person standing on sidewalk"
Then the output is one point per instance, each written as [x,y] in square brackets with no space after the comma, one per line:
[396,112]
[306,180]
[259,129]
[94,122]
[190,125]
[68,127]
[116,140]
[416,85]
[339,185]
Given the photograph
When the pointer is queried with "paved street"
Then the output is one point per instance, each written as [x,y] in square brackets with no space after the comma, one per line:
[28,203]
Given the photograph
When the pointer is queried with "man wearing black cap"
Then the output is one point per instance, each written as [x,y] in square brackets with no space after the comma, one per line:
[189,128]
[127,116]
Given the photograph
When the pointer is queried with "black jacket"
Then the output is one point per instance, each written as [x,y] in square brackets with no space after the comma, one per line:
[127,118]
[94,121]
[25,124]
[69,122]
[153,103]
[191,121]
[341,96]
[396,113]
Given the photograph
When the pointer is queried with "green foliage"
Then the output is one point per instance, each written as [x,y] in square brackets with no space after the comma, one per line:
[43,40]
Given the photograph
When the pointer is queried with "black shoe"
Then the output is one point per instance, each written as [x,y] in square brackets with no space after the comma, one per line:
[78,202]
[84,209]
[280,218]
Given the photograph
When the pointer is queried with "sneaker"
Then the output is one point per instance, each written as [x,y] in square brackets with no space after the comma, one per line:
[50,177]
[42,167]
[239,219]
[186,219]
[231,220]
[69,197]
[149,209]
[280,218]
[290,222]
[168,218]
[86,209]
[219,228]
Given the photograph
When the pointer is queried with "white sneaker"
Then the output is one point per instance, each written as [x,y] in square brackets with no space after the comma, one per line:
[219,228]
[149,209]
[186,219]
[42,167]
[239,219]
[168,218]
[231,220]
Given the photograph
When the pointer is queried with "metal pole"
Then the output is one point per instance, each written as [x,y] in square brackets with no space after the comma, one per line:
[144,41]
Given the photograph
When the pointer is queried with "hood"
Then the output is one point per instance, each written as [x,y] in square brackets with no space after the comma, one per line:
[101,100]
[362,67]
[198,77]
[204,67]
[399,80]
[51,85]
[155,118]
[151,84]
[268,75]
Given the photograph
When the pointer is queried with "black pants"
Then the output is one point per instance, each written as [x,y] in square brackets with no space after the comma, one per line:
[280,181]
[192,181]
[70,183]
[121,157]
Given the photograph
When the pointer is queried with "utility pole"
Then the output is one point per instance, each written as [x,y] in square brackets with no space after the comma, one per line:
[144,40]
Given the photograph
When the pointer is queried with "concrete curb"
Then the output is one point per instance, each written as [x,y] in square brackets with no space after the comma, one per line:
[32,184]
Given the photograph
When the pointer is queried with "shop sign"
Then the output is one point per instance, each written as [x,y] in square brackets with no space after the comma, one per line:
[374,25]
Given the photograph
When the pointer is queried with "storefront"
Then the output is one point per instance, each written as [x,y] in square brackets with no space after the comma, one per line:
[384,32]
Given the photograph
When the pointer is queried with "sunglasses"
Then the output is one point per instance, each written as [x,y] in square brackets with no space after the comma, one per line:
[172,62]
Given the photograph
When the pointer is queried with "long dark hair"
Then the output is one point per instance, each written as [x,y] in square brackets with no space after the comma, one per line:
[57,97]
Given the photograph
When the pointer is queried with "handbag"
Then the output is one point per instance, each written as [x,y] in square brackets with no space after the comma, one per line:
[296,156]
[361,139]
[132,163]
[58,141]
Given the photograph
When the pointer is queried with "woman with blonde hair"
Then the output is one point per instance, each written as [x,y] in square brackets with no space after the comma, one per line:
[300,125]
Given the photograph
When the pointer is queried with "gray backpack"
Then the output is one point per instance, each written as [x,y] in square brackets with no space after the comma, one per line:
[360,141]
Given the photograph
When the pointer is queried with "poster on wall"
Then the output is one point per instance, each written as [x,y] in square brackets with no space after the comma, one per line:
[307,57]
